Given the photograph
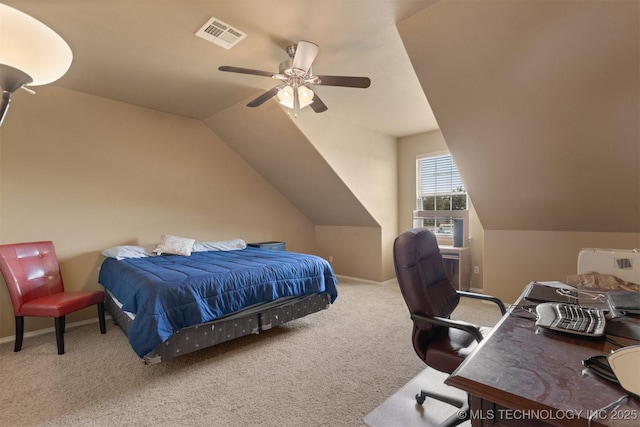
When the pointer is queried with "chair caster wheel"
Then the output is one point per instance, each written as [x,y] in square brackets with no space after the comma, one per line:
[420,399]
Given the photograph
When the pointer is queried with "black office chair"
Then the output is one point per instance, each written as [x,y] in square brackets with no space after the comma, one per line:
[442,343]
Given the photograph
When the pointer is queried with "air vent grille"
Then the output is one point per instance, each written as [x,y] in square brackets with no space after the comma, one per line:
[624,263]
[220,33]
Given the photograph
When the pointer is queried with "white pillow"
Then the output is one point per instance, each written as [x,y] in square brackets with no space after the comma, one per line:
[174,245]
[125,251]
[222,245]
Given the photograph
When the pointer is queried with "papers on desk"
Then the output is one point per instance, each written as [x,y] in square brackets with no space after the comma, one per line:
[624,301]
[551,292]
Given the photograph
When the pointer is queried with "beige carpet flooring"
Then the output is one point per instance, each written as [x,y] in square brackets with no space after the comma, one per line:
[331,368]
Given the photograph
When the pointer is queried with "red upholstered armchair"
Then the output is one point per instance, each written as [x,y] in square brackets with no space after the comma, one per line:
[442,343]
[32,275]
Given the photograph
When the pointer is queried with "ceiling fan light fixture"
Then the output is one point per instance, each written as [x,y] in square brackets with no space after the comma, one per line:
[285,97]
[305,96]
[295,75]
[295,99]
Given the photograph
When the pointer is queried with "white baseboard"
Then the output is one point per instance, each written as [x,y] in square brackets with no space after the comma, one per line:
[388,282]
[52,329]
[359,280]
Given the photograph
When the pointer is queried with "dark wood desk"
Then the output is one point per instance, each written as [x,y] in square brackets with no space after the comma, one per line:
[522,376]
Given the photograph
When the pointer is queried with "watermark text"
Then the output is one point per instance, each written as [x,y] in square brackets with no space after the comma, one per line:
[552,415]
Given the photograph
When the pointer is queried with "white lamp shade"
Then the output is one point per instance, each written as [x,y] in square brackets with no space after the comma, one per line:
[285,96]
[32,47]
[305,96]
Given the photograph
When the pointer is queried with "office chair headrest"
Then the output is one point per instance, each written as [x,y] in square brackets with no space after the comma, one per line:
[421,274]
[413,245]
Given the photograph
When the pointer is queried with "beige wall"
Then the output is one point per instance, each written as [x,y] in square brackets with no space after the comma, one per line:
[508,259]
[89,173]
[539,111]
[352,251]
[514,258]
[431,143]
[366,162]
[541,115]
[409,148]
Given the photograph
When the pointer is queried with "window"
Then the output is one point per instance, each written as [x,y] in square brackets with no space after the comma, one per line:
[439,188]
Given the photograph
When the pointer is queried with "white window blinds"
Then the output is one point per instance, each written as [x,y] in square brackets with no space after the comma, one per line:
[439,185]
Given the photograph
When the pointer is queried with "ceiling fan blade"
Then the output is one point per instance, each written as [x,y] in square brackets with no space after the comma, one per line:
[361,82]
[245,71]
[264,97]
[306,52]
[317,105]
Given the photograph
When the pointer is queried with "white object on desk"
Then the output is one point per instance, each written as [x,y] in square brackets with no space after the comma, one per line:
[622,263]
[625,364]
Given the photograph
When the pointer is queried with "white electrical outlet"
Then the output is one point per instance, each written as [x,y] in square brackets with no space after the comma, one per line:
[476,269]
[330,258]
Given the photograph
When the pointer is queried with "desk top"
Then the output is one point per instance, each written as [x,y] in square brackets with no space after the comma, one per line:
[524,368]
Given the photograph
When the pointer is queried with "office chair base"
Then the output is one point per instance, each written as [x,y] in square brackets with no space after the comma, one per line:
[462,414]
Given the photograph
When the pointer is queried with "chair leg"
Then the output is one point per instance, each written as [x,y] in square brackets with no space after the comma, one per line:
[461,415]
[60,325]
[103,327]
[19,333]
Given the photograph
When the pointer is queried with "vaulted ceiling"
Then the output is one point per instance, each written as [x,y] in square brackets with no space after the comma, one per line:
[146,53]
[539,101]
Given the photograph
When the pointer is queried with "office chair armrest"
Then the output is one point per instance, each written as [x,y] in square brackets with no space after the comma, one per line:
[450,323]
[493,299]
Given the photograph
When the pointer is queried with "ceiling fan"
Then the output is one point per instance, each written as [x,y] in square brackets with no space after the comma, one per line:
[295,75]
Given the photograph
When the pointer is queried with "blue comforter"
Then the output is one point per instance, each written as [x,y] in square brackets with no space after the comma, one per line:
[170,292]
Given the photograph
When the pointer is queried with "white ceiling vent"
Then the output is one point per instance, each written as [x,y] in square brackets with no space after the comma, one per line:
[220,33]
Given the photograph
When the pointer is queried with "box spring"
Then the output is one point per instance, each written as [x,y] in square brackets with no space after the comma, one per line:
[249,321]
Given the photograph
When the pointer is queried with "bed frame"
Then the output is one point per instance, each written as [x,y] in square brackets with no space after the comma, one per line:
[252,320]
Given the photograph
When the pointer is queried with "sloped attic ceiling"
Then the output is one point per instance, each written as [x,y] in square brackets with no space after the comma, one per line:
[268,140]
[146,53]
[539,102]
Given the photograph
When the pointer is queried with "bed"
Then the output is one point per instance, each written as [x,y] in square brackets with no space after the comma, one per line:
[170,305]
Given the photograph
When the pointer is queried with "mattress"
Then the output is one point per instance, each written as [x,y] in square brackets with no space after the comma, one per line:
[171,292]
